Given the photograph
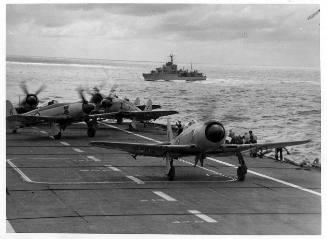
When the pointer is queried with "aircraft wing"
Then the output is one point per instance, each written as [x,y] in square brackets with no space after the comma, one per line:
[138,115]
[142,107]
[158,150]
[38,119]
[155,150]
[233,148]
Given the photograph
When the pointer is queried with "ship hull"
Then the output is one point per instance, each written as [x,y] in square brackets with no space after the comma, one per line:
[168,77]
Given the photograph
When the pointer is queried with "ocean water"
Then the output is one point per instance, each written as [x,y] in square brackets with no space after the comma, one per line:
[277,104]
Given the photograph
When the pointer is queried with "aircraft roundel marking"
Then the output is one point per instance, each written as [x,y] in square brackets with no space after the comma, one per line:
[37,113]
[66,112]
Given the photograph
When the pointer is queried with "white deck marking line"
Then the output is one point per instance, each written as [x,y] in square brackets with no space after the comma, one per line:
[49,158]
[27,179]
[268,177]
[93,158]
[9,228]
[43,132]
[165,196]
[78,150]
[114,168]
[139,135]
[234,166]
[138,181]
[209,170]
[64,143]
[202,216]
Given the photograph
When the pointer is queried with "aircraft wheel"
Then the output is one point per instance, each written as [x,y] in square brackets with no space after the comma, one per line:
[57,136]
[119,120]
[171,173]
[241,172]
[91,132]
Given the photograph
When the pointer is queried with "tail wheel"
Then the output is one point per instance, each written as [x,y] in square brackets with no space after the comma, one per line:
[119,120]
[57,136]
[91,132]
[171,174]
[241,172]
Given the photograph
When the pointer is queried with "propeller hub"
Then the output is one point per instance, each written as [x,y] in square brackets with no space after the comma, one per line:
[215,132]
[106,103]
[88,108]
[96,98]
[31,100]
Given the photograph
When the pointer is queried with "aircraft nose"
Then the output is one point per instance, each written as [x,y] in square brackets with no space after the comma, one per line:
[31,100]
[87,108]
[215,132]
[106,103]
[96,98]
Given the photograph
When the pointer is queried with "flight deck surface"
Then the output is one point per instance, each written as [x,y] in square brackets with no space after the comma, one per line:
[67,186]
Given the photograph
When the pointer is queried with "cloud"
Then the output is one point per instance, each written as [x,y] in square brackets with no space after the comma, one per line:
[152,30]
[168,21]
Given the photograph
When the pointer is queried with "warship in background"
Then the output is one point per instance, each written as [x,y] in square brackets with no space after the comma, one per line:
[169,71]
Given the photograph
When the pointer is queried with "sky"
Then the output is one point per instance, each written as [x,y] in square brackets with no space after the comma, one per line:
[219,34]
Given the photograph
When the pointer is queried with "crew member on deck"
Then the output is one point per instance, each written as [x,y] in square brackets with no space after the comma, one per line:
[246,139]
[280,151]
[253,138]
[179,127]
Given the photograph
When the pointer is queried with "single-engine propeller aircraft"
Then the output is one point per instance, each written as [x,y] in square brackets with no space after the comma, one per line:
[31,101]
[57,115]
[97,98]
[124,108]
[200,140]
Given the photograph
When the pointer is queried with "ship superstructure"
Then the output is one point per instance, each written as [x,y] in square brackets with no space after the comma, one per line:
[169,71]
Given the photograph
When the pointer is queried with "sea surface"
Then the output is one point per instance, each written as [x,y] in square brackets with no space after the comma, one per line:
[277,104]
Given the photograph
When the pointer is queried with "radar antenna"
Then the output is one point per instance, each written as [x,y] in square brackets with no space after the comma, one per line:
[171,58]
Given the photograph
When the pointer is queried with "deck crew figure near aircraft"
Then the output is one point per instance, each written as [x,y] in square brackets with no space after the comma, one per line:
[199,139]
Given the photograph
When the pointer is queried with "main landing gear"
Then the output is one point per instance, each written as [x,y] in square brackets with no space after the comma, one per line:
[242,169]
[119,120]
[57,128]
[170,169]
[57,136]
[91,128]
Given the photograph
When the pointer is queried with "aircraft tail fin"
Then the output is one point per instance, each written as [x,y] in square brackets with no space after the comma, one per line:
[10,109]
[137,101]
[170,135]
[148,106]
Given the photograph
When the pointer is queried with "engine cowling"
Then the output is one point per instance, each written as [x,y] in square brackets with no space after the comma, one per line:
[32,100]
[215,132]
[209,136]
[106,103]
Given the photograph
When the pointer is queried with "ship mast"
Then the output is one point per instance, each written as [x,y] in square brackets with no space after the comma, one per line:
[171,58]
